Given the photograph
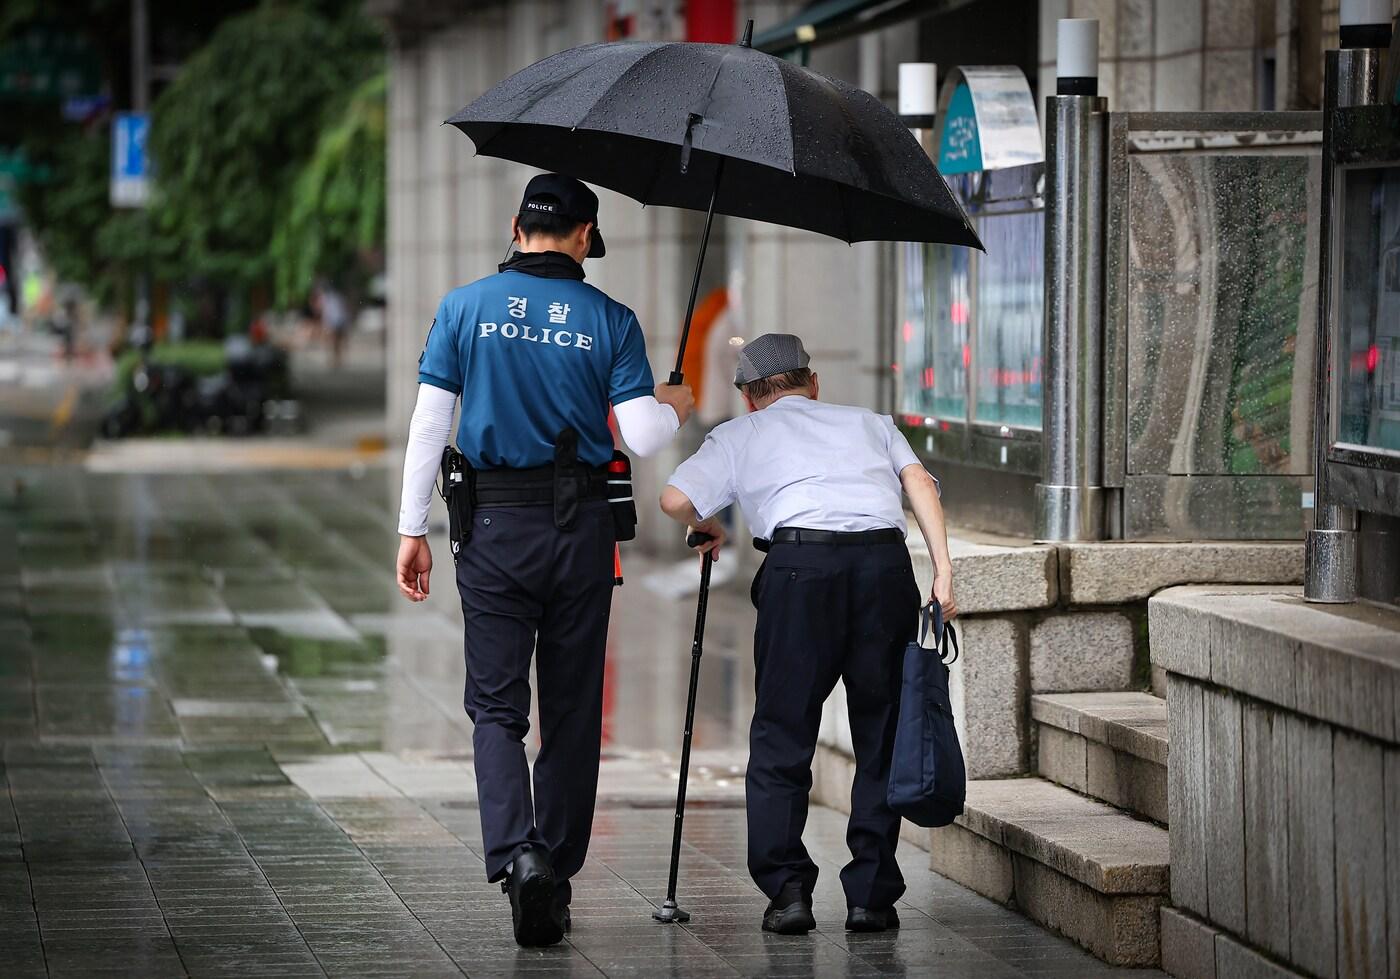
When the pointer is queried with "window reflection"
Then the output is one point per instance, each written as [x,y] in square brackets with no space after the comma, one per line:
[1369,334]
[934,342]
[1010,309]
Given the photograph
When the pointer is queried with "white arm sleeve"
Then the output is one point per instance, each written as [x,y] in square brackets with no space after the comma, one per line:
[428,433]
[646,424]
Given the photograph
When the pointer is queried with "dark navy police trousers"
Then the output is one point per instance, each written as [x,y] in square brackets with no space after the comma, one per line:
[527,589]
[827,612]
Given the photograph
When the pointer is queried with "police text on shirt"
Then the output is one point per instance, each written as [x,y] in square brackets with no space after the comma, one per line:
[523,331]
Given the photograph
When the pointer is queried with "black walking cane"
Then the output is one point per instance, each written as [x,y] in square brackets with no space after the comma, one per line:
[670,912]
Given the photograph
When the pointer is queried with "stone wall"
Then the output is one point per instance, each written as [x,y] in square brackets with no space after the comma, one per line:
[1283,784]
[1055,619]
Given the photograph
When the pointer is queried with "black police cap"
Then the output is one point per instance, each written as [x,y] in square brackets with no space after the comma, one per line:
[554,193]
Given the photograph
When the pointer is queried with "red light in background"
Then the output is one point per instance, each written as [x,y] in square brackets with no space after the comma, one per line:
[967,356]
[908,332]
[928,377]
[1373,356]
[958,312]
[945,425]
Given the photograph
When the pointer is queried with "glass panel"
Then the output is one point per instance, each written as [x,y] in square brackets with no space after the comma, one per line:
[933,344]
[1222,269]
[1010,310]
[1368,352]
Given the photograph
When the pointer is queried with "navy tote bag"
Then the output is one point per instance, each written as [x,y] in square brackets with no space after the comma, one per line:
[928,782]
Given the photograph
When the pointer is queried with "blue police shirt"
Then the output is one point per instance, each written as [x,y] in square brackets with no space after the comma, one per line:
[532,356]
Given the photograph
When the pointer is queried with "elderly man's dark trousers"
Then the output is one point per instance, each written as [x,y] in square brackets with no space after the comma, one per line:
[827,612]
[529,588]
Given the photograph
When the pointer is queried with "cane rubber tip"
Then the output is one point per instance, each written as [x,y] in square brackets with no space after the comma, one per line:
[670,914]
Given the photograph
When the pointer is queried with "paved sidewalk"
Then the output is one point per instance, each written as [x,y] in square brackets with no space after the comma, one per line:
[229,749]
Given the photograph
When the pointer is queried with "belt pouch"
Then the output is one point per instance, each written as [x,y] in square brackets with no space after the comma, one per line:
[457,492]
[620,501]
[570,482]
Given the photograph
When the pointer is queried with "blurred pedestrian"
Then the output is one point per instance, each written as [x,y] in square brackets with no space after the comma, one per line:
[334,314]
[537,357]
[819,485]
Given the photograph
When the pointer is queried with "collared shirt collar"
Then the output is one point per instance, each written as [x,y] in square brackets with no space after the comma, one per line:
[546,265]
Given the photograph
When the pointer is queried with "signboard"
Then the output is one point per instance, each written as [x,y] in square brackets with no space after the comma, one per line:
[44,64]
[131,166]
[960,150]
[987,121]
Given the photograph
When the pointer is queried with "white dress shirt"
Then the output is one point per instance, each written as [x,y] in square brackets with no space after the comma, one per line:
[802,463]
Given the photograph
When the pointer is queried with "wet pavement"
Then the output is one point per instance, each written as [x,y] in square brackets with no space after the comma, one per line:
[231,749]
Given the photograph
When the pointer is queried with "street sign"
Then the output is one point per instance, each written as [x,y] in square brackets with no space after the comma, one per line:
[131,166]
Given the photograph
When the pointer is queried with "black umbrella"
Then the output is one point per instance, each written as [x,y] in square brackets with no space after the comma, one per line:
[725,129]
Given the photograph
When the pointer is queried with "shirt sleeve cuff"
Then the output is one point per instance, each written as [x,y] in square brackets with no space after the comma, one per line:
[629,395]
[439,382]
[704,508]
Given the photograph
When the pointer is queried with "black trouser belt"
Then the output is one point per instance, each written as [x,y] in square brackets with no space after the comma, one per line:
[800,535]
[520,487]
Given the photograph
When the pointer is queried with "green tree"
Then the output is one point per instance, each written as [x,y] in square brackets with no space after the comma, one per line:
[334,224]
[230,136]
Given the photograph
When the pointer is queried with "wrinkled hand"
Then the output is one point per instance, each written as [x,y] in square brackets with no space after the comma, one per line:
[943,592]
[715,530]
[679,397]
[414,565]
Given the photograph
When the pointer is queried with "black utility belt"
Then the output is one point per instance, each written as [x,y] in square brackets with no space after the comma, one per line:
[839,538]
[528,487]
[563,485]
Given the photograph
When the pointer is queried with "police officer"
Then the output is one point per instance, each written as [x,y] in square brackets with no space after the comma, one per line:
[820,486]
[536,356]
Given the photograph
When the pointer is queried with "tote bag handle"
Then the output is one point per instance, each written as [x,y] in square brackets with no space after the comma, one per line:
[931,620]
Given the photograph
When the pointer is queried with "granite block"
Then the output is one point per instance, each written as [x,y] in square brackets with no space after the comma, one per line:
[1266,827]
[1312,900]
[1224,808]
[1359,805]
[1186,794]
[1081,651]
[1188,946]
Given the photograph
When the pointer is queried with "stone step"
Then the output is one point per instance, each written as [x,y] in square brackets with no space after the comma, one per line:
[1112,746]
[1092,872]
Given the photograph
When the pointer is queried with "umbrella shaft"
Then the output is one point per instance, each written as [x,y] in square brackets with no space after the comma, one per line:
[678,375]
[695,651]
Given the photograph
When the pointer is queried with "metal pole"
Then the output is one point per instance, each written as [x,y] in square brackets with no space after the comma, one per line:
[140,57]
[677,375]
[141,102]
[1070,498]
[1351,78]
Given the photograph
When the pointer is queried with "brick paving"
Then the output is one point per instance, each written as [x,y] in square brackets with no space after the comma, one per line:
[229,750]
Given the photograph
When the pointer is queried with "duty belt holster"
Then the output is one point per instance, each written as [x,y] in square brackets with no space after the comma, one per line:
[457,492]
[624,508]
[570,479]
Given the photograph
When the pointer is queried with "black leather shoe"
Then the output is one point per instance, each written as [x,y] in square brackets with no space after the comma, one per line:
[864,919]
[531,890]
[566,920]
[790,913]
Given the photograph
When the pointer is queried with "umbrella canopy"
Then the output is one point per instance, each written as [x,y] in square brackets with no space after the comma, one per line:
[680,124]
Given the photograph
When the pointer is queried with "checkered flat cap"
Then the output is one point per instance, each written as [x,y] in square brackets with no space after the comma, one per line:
[772,353]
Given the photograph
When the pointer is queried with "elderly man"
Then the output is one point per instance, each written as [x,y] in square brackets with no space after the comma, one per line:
[820,486]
